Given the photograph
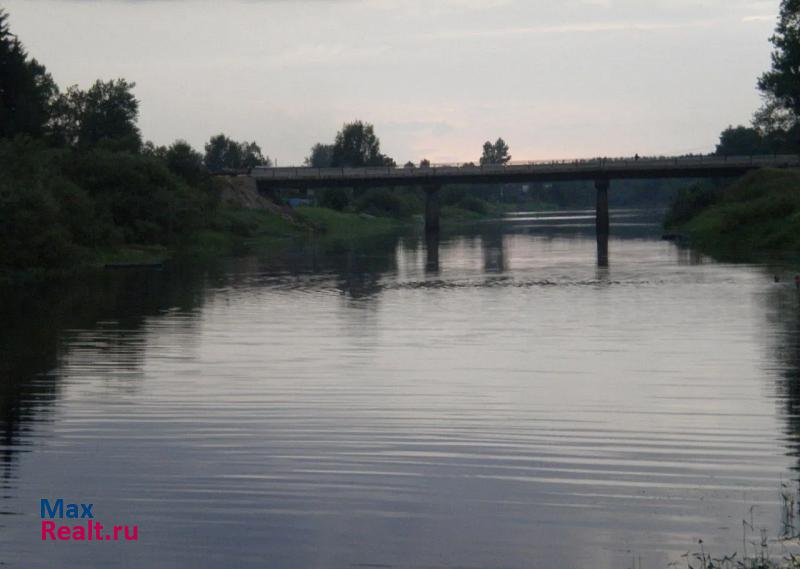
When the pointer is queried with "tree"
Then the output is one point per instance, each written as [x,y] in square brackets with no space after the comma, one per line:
[65,117]
[772,117]
[150,150]
[496,153]
[740,141]
[110,113]
[104,115]
[252,156]
[223,153]
[26,88]
[217,154]
[186,162]
[781,84]
[356,145]
[321,156]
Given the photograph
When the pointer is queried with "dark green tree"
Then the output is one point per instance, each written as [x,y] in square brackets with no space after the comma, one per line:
[740,141]
[150,150]
[251,156]
[186,162]
[321,156]
[104,115]
[223,153]
[65,117]
[496,153]
[26,88]
[110,114]
[356,145]
[218,153]
[781,84]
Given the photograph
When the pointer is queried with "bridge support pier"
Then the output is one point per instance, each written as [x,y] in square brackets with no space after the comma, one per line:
[602,224]
[432,208]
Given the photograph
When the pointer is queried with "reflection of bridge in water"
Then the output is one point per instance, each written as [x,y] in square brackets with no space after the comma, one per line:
[601,171]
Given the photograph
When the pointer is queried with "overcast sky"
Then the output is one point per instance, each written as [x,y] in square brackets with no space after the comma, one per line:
[554,78]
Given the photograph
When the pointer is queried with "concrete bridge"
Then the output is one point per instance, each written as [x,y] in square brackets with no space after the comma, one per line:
[600,170]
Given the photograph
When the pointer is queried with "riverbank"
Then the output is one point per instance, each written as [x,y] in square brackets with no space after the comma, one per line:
[756,215]
[233,230]
[243,230]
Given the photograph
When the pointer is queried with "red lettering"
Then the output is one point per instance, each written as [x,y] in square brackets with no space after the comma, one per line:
[48,528]
[64,533]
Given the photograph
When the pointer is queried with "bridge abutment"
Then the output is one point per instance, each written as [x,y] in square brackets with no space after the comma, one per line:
[602,224]
[432,208]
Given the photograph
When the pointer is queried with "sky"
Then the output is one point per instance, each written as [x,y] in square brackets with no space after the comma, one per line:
[556,79]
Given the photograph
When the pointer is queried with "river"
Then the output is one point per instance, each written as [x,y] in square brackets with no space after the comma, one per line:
[492,400]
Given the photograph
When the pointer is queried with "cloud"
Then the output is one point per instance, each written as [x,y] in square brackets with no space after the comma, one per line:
[437,128]
[317,54]
[764,18]
[598,27]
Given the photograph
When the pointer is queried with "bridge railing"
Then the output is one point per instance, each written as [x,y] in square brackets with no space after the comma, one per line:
[594,164]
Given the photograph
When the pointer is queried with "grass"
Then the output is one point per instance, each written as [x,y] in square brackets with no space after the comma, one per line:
[760,213]
[332,223]
[237,231]
[755,552]
[131,254]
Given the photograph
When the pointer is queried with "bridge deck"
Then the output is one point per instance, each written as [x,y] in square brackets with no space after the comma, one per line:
[684,167]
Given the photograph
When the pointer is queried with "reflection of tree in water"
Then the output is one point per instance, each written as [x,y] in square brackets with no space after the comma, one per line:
[783,315]
[358,266]
[101,317]
[494,252]
[689,256]
[37,320]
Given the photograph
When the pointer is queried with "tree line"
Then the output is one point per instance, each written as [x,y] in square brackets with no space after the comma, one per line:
[77,180]
[775,126]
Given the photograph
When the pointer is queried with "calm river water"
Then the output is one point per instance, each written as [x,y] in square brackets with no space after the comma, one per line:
[504,403]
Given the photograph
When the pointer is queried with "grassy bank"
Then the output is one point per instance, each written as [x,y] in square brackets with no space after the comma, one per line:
[757,214]
[237,231]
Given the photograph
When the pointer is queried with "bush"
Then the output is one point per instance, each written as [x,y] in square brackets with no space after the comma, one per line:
[386,203]
[451,195]
[140,195]
[474,204]
[691,201]
[32,229]
[335,198]
[59,206]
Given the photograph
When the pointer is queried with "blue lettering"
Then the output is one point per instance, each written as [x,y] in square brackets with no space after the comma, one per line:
[56,511]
